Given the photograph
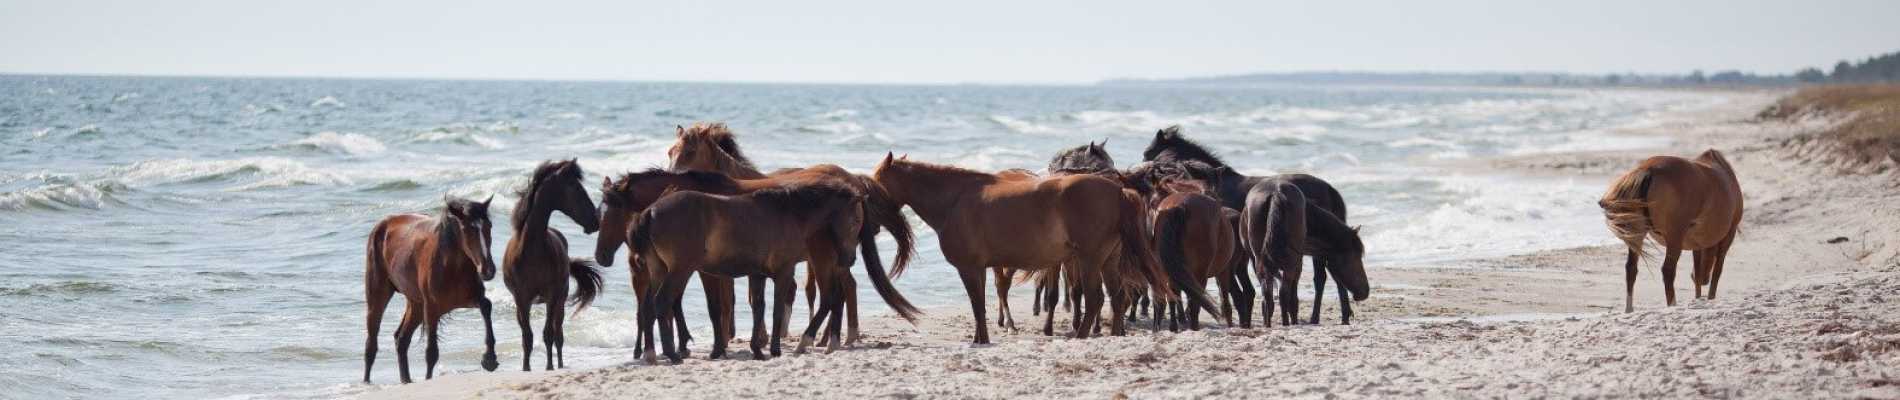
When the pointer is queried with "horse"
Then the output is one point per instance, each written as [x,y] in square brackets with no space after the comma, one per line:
[760,234]
[438,264]
[1169,146]
[1193,232]
[636,192]
[1084,223]
[1279,227]
[536,267]
[713,147]
[1693,205]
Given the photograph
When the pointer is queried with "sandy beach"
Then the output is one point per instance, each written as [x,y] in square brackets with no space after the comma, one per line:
[1801,314]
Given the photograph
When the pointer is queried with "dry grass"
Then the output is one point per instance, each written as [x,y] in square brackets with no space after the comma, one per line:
[1869,129]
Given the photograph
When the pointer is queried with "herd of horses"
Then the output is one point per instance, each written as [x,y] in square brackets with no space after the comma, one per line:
[1082,230]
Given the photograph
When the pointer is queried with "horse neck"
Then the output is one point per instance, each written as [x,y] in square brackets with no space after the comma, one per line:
[1233,190]
[538,211]
[1326,230]
[725,164]
[946,187]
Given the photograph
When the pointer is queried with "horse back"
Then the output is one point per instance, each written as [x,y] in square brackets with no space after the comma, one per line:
[1693,204]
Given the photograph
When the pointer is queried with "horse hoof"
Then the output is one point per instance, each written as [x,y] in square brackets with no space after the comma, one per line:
[716,354]
[489,363]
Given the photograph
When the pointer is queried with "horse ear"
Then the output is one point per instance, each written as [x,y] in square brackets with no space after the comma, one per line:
[887,157]
[906,157]
[1355,229]
[681,131]
[1161,134]
[1104,145]
[606,182]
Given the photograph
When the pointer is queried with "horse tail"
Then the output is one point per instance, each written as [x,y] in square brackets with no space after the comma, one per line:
[587,281]
[882,281]
[1136,256]
[641,237]
[1626,208]
[1170,231]
[373,262]
[1715,157]
[881,209]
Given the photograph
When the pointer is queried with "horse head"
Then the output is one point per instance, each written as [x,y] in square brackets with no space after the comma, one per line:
[616,216]
[1164,139]
[1349,267]
[566,194]
[468,223]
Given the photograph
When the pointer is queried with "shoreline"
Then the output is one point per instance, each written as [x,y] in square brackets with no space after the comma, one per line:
[1537,324]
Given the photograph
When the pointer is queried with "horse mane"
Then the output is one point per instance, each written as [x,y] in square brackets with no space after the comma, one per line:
[542,174]
[943,169]
[1333,234]
[722,138]
[1088,158]
[1174,147]
[802,199]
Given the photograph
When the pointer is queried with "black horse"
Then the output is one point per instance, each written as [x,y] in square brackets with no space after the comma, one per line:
[1169,146]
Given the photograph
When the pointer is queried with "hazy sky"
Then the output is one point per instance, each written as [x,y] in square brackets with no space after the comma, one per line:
[927,41]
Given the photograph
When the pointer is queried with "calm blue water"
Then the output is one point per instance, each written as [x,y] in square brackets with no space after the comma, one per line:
[177,237]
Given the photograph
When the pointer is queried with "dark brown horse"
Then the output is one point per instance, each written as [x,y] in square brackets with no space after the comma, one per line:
[536,267]
[1693,205]
[1084,223]
[759,235]
[1279,228]
[1169,146]
[635,192]
[712,147]
[438,264]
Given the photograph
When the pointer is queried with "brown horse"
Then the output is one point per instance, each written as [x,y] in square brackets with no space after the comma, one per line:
[635,192]
[438,264]
[712,147]
[536,267]
[1693,205]
[758,235]
[1193,232]
[1084,223]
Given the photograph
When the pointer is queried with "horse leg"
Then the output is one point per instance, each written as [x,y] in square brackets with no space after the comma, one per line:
[524,303]
[843,301]
[973,287]
[1345,304]
[679,324]
[648,316]
[781,312]
[1046,298]
[1243,301]
[1699,275]
[670,294]
[489,362]
[378,294]
[1093,308]
[1669,274]
[719,301]
[429,352]
[1629,282]
[819,313]
[1118,300]
[551,326]
[850,310]
[1715,267]
[755,286]
[1319,287]
[411,319]
[1289,294]
[1002,298]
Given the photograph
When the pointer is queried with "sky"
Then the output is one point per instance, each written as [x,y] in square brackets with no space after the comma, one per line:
[959,41]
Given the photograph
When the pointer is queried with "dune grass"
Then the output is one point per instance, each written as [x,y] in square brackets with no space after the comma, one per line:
[1868,132]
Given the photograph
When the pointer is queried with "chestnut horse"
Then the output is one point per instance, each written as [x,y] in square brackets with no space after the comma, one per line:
[758,235]
[1693,205]
[635,192]
[438,264]
[1193,232]
[1084,223]
[712,147]
[536,267]
[1170,146]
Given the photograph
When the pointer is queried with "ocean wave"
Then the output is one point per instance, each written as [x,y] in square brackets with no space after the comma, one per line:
[263,172]
[346,143]
[67,288]
[328,101]
[838,114]
[456,136]
[568,116]
[835,128]
[62,196]
[1020,126]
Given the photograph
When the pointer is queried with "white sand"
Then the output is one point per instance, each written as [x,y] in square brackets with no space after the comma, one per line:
[1797,318]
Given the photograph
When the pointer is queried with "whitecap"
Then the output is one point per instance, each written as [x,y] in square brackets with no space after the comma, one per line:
[59,196]
[261,172]
[458,137]
[567,115]
[1020,126]
[122,97]
[348,143]
[328,101]
[835,128]
[838,114]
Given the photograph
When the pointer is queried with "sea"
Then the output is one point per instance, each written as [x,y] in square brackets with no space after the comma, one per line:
[169,237]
